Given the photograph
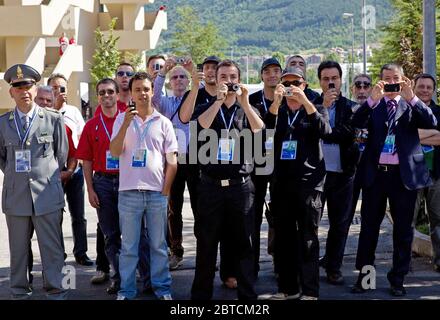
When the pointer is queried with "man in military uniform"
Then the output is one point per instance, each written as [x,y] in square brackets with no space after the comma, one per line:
[33,146]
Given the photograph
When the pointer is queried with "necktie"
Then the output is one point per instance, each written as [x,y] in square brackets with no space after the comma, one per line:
[391,110]
[25,122]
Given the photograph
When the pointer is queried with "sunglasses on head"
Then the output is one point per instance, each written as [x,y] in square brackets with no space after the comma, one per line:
[181,76]
[108,91]
[362,84]
[295,83]
[125,73]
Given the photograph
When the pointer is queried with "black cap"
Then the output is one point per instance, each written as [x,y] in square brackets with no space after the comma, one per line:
[270,62]
[214,59]
[293,71]
[21,74]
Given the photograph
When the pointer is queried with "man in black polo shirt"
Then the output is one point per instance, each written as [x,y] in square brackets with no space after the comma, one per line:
[262,99]
[226,192]
[298,61]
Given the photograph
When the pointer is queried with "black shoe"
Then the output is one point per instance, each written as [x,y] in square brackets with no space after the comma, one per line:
[397,291]
[437,268]
[335,278]
[357,288]
[323,262]
[114,287]
[84,260]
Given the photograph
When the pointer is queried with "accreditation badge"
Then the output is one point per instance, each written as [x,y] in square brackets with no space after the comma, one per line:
[225,149]
[139,158]
[288,150]
[111,163]
[23,161]
[389,145]
[268,144]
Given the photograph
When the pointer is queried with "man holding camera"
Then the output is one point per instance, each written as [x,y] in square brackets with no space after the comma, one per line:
[299,62]
[297,185]
[394,169]
[341,156]
[226,192]
[74,187]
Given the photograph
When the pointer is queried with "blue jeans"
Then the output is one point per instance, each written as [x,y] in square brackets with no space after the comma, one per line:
[135,206]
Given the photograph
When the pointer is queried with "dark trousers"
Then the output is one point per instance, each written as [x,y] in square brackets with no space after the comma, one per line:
[296,213]
[387,185]
[185,173]
[357,187]
[108,216]
[220,210]
[102,263]
[74,190]
[338,193]
[261,183]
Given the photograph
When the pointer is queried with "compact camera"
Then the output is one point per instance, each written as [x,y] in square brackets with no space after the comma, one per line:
[391,87]
[180,60]
[234,87]
[62,89]
[288,92]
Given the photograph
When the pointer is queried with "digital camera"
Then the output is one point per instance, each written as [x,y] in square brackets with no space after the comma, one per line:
[234,87]
[62,89]
[288,92]
[391,87]
[180,60]
[331,85]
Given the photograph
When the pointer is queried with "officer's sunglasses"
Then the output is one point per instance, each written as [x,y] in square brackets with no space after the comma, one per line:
[362,84]
[295,83]
[108,91]
[125,73]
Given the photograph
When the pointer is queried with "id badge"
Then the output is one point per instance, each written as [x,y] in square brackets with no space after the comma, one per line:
[268,144]
[225,150]
[23,161]
[111,163]
[428,152]
[390,142]
[288,151]
[139,158]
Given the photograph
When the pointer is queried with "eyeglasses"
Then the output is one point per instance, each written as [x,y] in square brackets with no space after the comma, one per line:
[125,73]
[181,76]
[108,91]
[362,84]
[295,83]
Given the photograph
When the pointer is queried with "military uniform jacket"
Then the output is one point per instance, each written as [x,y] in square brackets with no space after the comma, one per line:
[39,191]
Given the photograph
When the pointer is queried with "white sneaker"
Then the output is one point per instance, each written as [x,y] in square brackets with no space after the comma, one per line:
[121,298]
[308,298]
[166,297]
[278,296]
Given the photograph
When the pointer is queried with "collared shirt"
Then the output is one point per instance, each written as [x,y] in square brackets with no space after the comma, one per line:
[94,143]
[21,114]
[169,107]
[332,115]
[159,141]
[332,151]
[74,120]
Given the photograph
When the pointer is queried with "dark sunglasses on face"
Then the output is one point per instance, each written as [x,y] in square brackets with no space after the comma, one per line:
[295,83]
[125,73]
[108,91]
[181,76]
[362,84]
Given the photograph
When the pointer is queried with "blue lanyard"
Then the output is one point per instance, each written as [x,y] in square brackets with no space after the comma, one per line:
[23,139]
[230,120]
[105,127]
[290,122]
[142,136]
[264,100]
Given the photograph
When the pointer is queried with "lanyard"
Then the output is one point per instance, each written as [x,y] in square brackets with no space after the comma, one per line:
[230,121]
[105,127]
[141,136]
[290,122]
[264,100]
[23,139]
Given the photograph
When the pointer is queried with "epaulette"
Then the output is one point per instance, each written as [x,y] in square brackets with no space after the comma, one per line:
[52,110]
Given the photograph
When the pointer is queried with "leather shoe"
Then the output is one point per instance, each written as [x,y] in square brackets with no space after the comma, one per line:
[397,291]
[114,287]
[437,268]
[335,278]
[84,260]
[323,262]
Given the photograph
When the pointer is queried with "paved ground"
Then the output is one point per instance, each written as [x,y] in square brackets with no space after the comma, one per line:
[422,282]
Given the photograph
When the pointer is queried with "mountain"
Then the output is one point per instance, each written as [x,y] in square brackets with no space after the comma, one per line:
[265,26]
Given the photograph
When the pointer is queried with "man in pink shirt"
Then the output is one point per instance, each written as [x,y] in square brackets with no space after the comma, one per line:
[146,145]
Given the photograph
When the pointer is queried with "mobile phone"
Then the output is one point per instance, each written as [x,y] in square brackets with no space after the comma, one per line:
[132,105]
[62,89]
[200,67]
[331,85]
[157,67]
[391,87]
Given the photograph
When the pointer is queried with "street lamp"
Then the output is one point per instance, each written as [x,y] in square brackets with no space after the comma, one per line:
[347,15]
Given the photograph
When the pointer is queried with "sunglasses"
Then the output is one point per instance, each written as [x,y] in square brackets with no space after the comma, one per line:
[362,84]
[181,76]
[295,83]
[125,73]
[108,91]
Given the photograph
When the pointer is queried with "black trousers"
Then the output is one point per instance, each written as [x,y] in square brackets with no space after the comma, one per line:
[387,185]
[225,210]
[185,173]
[338,193]
[296,213]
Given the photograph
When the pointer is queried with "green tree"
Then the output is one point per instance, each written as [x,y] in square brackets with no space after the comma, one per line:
[333,56]
[134,59]
[194,38]
[280,57]
[106,57]
[403,39]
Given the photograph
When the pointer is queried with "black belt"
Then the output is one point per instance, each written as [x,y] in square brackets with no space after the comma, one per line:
[387,167]
[107,175]
[224,182]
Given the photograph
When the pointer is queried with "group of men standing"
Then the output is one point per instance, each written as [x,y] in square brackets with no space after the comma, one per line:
[143,145]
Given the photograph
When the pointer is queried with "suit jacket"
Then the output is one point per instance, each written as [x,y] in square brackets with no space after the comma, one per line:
[40,190]
[344,134]
[408,119]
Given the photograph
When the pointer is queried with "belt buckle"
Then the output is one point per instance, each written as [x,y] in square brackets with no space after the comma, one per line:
[384,168]
[224,183]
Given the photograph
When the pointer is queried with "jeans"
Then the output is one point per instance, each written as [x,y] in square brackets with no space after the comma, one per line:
[134,206]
